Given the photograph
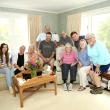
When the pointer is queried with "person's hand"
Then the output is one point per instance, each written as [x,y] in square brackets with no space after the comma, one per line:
[44,60]
[26,65]
[73,63]
[21,68]
[80,64]
[1,65]
[91,67]
[10,66]
[97,71]
[48,59]
[15,65]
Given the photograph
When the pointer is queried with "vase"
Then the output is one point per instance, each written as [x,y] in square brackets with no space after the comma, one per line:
[33,74]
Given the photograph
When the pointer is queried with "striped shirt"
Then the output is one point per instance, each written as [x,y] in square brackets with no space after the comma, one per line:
[68,58]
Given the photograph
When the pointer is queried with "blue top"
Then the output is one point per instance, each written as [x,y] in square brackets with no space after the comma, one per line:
[84,58]
[98,54]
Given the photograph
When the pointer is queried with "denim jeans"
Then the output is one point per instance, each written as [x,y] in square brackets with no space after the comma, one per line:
[9,73]
[65,71]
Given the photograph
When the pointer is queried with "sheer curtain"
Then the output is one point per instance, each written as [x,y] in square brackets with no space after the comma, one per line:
[34,27]
[74,23]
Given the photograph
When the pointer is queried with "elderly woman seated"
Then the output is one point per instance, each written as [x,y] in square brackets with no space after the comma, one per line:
[33,57]
[68,62]
[20,60]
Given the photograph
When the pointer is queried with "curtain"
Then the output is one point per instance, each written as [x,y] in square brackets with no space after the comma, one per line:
[74,23]
[34,28]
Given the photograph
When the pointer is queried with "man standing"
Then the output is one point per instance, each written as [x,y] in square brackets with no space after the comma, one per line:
[47,50]
[64,39]
[76,38]
[42,36]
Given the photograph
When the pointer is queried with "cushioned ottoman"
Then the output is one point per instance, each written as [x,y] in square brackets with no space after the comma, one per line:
[3,84]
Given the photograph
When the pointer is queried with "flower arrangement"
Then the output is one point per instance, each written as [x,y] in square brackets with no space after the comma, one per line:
[34,67]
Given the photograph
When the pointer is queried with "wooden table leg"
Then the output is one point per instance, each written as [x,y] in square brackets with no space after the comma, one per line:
[21,96]
[55,85]
[14,90]
[45,85]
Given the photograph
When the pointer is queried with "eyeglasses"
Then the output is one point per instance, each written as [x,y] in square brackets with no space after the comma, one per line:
[89,38]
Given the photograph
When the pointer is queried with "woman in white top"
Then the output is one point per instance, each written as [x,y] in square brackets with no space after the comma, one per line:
[84,64]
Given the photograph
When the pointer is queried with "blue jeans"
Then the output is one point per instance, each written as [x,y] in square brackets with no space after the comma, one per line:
[103,68]
[9,73]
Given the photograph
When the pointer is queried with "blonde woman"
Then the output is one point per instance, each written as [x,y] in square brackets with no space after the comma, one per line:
[32,56]
[68,62]
[84,65]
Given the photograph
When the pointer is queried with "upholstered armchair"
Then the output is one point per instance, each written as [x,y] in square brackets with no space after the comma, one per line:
[59,51]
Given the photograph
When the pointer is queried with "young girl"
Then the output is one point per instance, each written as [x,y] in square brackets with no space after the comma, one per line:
[68,63]
[5,66]
[84,65]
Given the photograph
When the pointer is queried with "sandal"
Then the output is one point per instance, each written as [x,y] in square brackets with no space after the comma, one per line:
[81,88]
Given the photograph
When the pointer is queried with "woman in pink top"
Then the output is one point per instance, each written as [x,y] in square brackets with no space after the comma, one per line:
[68,63]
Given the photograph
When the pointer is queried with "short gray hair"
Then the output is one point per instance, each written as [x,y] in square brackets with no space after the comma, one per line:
[90,35]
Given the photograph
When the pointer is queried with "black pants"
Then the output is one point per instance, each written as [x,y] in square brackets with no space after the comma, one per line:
[65,71]
[16,71]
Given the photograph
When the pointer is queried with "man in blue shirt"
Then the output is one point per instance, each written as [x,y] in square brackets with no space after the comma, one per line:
[100,58]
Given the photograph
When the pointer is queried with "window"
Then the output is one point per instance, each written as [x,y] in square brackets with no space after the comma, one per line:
[97,22]
[14,30]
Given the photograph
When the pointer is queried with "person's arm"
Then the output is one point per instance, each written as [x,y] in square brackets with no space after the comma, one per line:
[42,57]
[60,42]
[40,53]
[53,53]
[76,59]
[1,66]
[79,60]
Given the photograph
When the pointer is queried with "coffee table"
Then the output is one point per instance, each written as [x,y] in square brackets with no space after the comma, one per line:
[32,85]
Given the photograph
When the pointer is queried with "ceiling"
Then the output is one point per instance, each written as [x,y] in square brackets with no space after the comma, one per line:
[54,6]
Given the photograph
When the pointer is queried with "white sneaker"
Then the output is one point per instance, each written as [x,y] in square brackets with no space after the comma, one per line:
[11,90]
[65,87]
[70,87]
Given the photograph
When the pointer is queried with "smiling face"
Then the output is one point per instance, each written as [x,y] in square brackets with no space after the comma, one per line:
[83,44]
[63,34]
[48,37]
[22,49]
[68,48]
[90,37]
[4,48]
[91,41]
[31,49]
[75,37]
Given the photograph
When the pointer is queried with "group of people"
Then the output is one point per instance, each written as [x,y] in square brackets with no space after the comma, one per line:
[92,58]
[19,63]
